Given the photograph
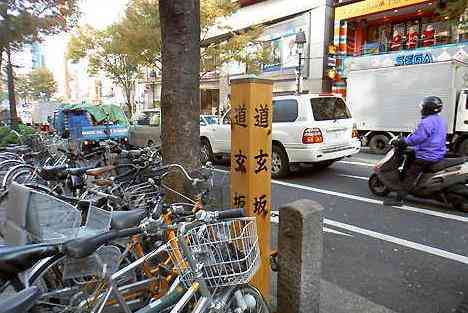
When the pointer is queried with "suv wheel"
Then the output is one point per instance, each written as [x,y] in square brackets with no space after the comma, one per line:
[206,154]
[279,162]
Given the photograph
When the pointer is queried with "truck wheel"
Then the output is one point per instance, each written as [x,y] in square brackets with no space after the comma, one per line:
[206,154]
[377,187]
[379,144]
[279,162]
[463,148]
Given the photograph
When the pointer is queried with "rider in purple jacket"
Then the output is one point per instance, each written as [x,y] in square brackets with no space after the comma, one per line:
[429,142]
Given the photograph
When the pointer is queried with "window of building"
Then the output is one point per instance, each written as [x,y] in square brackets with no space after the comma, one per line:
[415,32]
[285,111]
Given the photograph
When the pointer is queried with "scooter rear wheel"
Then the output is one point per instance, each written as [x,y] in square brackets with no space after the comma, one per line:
[377,187]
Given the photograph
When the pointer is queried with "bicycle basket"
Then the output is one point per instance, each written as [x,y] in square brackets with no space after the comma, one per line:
[50,220]
[228,251]
[104,261]
[97,221]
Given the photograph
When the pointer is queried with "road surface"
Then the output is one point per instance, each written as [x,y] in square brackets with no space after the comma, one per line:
[408,259]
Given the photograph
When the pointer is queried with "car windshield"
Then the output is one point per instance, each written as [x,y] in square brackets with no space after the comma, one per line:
[211,119]
[329,108]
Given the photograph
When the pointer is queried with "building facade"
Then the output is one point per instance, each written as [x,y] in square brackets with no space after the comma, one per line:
[389,33]
[282,21]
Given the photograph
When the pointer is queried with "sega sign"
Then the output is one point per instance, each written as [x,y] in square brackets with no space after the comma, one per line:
[411,59]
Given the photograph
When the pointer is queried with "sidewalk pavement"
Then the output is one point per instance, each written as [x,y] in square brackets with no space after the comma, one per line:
[334,299]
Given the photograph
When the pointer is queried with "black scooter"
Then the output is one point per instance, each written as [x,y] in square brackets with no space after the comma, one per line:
[446,181]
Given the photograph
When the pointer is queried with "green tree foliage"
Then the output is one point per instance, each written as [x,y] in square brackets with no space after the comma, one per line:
[108,53]
[42,84]
[38,85]
[26,21]
[22,88]
[141,30]
[3,92]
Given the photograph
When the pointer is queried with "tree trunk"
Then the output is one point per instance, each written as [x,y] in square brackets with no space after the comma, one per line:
[180,95]
[128,96]
[11,91]
[1,59]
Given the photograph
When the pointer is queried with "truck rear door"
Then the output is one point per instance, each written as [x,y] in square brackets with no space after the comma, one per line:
[462,112]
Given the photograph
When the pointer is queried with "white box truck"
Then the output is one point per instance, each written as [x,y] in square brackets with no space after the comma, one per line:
[384,102]
[42,111]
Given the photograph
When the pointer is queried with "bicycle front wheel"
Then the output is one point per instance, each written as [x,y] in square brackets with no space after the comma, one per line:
[249,296]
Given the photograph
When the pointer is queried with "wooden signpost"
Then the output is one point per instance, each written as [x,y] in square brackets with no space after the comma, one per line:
[251,121]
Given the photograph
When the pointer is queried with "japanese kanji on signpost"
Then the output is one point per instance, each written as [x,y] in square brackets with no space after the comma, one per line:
[251,101]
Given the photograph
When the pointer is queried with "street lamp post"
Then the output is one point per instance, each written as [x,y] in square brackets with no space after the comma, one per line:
[300,43]
[153,85]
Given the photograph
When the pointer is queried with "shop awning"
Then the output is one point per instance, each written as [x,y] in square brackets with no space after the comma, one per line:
[370,7]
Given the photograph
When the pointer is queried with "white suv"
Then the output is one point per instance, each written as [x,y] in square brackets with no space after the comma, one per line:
[306,129]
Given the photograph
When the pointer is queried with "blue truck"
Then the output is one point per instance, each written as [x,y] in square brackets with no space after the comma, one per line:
[89,124]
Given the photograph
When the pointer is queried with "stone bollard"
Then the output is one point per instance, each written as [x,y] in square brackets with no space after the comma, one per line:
[300,246]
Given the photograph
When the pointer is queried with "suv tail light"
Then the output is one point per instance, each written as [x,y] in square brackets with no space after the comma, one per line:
[312,135]
[355,133]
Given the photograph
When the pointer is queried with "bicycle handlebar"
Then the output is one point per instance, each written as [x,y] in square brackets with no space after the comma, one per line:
[231,213]
[104,195]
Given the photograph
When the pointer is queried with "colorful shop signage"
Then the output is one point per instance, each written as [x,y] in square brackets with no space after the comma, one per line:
[456,52]
[414,58]
[371,6]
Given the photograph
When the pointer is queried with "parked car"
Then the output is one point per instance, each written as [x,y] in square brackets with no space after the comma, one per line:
[206,120]
[307,129]
[146,128]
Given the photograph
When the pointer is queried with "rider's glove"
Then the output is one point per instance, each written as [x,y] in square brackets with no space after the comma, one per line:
[400,143]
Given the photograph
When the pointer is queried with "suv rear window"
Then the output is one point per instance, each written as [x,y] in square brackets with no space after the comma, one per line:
[284,111]
[329,108]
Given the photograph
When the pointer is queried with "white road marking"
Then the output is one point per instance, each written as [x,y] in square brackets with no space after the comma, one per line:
[373,201]
[275,220]
[357,163]
[368,200]
[330,230]
[353,176]
[402,242]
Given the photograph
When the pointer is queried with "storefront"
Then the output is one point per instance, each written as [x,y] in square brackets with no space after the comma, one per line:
[378,33]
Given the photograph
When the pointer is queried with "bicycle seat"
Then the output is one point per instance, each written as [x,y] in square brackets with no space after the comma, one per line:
[442,165]
[96,172]
[14,260]
[78,170]
[23,301]
[127,219]
[85,246]
[53,172]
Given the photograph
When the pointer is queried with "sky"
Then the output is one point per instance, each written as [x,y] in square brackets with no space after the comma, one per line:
[101,13]
[97,13]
